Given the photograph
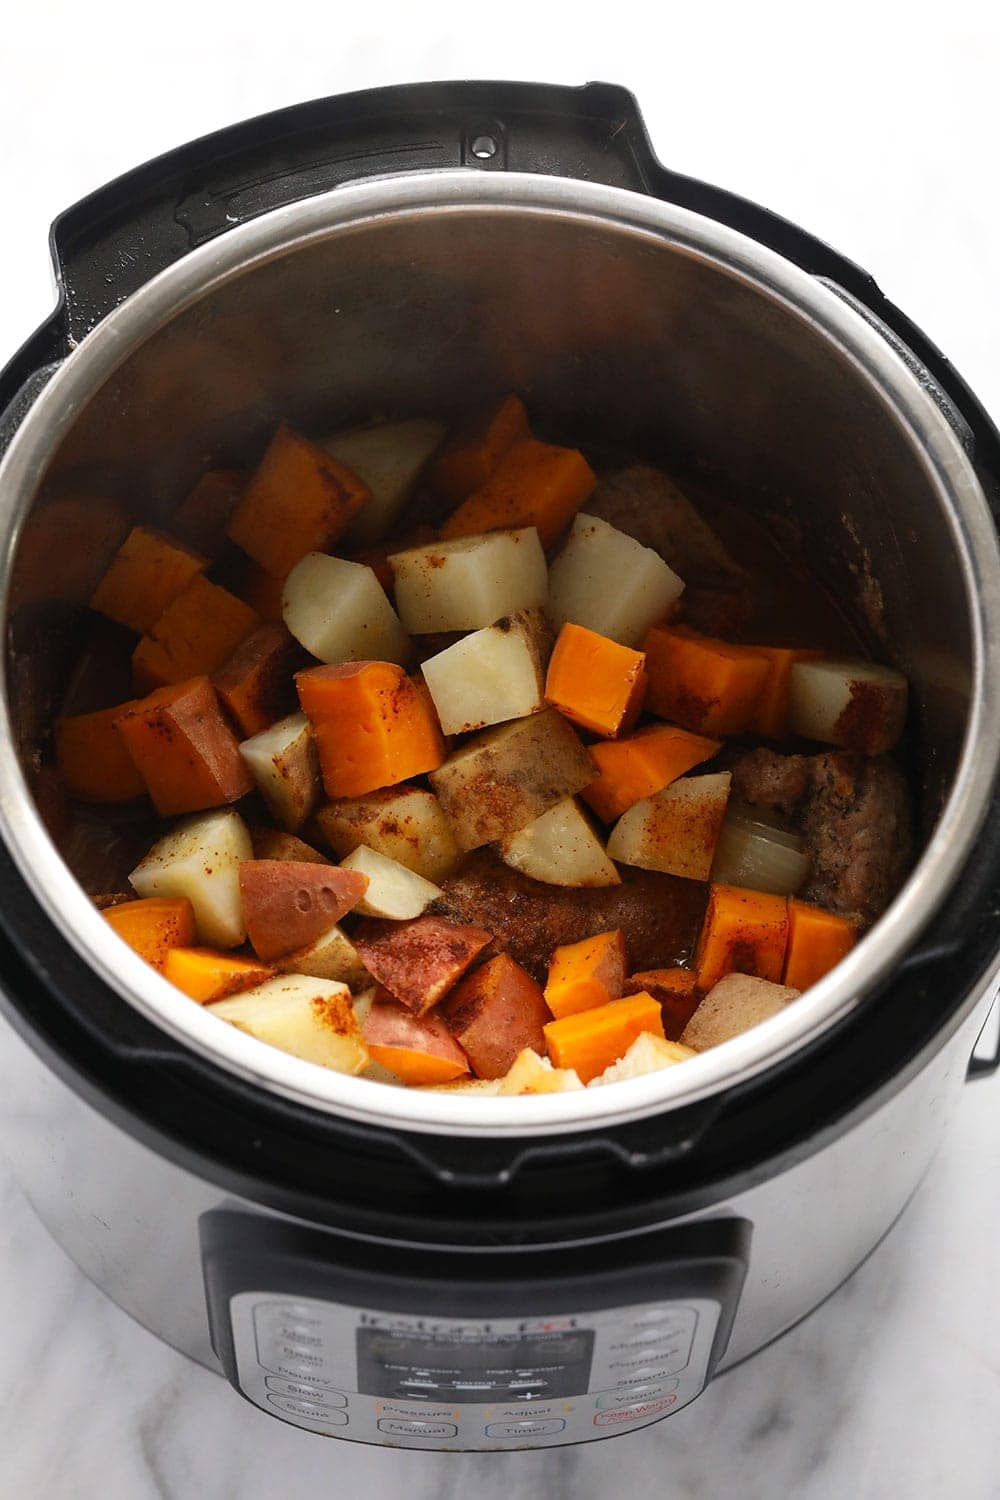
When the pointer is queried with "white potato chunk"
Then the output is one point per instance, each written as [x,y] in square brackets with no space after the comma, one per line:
[405,823]
[283,762]
[732,1006]
[310,1018]
[469,582]
[647,1054]
[492,675]
[331,956]
[531,1074]
[560,848]
[676,830]
[339,611]
[389,458]
[610,583]
[393,891]
[200,859]
[857,705]
[496,783]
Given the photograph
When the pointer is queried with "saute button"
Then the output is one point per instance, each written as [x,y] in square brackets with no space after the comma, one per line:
[303,1392]
[311,1410]
[524,1429]
[417,1429]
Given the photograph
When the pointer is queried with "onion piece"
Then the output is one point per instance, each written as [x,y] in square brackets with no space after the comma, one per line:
[756,851]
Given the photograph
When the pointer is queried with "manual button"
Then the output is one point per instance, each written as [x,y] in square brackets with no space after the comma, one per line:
[400,1428]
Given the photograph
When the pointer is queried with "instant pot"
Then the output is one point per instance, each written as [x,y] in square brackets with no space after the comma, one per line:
[456,1272]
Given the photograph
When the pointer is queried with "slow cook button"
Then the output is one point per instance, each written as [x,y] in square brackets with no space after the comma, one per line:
[643,1411]
[524,1429]
[310,1410]
[303,1392]
[630,1394]
[399,1428]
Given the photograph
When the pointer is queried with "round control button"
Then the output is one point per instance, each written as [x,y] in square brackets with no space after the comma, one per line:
[303,1392]
[310,1410]
[399,1428]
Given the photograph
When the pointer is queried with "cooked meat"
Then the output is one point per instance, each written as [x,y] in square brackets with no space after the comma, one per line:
[659,914]
[854,814]
[645,504]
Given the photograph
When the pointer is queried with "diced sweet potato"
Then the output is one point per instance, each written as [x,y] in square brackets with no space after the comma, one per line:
[644,763]
[288,905]
[298,500]
[744,932]
[153,926]
[273,843]
[418,962]
[255,684]
[183,749]
[595,682]
[207,975]
[770,712]
[374,726]
[734,1004]
[196,633]
[707,685]
[582,975]
[203,515]
[496,1012]
[264,593]
[533,484]
[405,823]
[502,779]
[474,448]
[149,570]
[93,758]
[420,1050]
[591,1040]
[817,941]
[677,991]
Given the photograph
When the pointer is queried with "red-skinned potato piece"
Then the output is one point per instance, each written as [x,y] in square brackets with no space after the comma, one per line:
[257,684]
[183,748]
[495,1013]
[418,962]
[288,904]
[418,1049]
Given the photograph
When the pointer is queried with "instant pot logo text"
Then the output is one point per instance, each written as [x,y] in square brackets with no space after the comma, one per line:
[386,1323]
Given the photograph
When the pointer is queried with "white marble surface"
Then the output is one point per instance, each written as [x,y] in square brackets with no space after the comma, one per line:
[878,133]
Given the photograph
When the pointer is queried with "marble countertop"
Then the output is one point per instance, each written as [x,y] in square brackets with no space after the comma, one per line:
[882,142]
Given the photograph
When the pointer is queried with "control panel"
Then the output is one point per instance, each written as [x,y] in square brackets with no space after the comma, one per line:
[378,1376]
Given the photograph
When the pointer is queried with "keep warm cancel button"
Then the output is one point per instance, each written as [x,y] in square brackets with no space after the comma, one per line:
[641,1412]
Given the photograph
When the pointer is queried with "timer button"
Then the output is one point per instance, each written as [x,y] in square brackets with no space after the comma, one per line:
[525,1429]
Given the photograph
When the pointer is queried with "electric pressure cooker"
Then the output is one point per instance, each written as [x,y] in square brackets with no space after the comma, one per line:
[423,1269]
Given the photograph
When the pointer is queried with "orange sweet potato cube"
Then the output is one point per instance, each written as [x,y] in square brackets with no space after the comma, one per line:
[257,684]
[474,449]
[676,990]
[207,975]
[193,636]
[154,926]
[585,974]
[770,712]
[298,500]
[147,572]
[705,684]
[817,940]
[203,515]
[595,682]
[183,749]
[534,484]
[420,1050]
[591,1040]
[93,759]
[744,932]
[262,591]
[373,725]
[641,765]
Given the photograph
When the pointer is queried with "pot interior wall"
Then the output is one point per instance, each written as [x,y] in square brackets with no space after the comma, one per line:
[613,336]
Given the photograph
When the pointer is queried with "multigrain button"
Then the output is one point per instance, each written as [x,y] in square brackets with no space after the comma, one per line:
[310,1410]
[524,1429]
[303,1392]
[397,1428]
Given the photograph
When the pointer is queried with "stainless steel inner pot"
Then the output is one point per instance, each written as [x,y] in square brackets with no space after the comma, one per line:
[622,319]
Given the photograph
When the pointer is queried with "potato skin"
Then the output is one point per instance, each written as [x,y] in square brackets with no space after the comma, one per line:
[495,1013]
[419,961]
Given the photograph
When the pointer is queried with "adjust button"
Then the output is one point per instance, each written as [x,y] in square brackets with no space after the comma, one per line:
[310,1410]
[525,1429]
[400,1428]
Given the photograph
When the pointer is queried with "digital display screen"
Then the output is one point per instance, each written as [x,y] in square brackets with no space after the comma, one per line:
[473,1366]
